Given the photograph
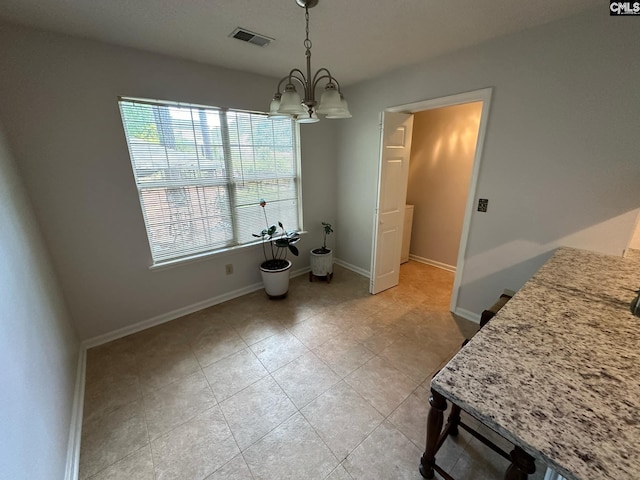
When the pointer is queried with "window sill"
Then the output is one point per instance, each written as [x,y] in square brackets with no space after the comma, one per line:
[223,252]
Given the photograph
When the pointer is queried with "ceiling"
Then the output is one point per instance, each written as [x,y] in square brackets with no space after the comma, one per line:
[355,39]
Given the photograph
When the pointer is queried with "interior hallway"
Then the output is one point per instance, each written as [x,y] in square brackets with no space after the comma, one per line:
[329,383]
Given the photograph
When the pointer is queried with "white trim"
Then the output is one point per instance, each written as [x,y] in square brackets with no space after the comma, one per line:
[353,268]
[75,427]
[484,96]
[433,263]
[467,315]
[180,312]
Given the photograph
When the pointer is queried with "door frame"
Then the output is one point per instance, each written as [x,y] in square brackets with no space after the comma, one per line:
[484,95]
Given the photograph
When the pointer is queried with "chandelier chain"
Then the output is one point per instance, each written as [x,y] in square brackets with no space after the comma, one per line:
[307,42]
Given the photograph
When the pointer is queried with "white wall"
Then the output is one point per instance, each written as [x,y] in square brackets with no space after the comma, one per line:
[38,347]
[59,105]
[560,163]
[442,153]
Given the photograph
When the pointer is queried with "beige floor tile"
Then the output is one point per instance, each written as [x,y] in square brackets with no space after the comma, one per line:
[411,417]
[289,311]
[196,324]
[234,373]
[411,357]
[253,330]
[386,452]
[316,330]
[290,452]
[174,404]
[158,337]
[215,344]
[363,306]
[278,350]
[382,339]
[256,410]
[363,328]
[381,384]
[339,474]
[236,469]
[195,449]
[112,391]
[109,361]
[479,463]
[343,355]
[111,437]
[305,378]
[164,364]
[452,450]
[342,418]
[111,378]
[348,328]
[138,466]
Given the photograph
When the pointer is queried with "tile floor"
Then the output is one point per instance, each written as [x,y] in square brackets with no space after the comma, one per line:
[329,383]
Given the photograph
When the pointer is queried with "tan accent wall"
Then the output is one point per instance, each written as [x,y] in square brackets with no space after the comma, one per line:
[442,153]
[635,240]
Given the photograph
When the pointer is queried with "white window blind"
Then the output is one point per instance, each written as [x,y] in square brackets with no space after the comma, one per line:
[201,172]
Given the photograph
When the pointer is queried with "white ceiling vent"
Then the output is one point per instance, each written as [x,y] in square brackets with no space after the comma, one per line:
[250,37]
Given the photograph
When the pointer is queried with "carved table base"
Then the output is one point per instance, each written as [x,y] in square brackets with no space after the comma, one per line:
[522,464]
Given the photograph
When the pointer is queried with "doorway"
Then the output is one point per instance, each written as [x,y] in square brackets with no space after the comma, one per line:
[383,257]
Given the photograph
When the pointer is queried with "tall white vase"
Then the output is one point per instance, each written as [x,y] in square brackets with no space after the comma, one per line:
[276,282]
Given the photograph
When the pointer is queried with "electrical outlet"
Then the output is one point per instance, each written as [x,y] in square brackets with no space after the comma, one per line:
[228,268]
[483,203]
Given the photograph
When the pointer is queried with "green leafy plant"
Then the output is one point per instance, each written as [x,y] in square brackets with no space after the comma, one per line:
[279,243]
[327,230]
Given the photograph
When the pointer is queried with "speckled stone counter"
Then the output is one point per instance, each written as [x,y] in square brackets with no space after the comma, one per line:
[557,371]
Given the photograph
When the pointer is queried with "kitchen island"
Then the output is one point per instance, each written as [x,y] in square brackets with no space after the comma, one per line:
[556,372]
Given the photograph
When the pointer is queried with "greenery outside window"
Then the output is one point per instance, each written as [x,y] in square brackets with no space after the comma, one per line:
[201,172]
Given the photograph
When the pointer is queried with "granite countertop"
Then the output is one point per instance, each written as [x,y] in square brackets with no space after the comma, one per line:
[556,370]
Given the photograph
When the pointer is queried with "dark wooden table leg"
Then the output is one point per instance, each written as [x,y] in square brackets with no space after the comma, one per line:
[454,420]
[522,465]
[434,427]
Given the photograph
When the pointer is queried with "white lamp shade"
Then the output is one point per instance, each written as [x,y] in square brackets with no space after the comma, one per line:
[291,103]
[330,100]
[342,112]
[275,105]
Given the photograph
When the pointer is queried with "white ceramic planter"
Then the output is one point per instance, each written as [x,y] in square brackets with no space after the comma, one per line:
[276,282]
[321,263]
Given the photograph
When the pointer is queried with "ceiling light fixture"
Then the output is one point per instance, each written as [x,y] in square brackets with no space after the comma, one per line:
[288,102]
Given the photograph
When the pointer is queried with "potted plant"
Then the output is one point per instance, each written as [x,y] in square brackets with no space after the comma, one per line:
[322,258]
[275,246]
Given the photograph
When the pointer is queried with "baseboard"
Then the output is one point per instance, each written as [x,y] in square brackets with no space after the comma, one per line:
[353,268]
[75,428]
[467,315]
[180,312]
[433,263]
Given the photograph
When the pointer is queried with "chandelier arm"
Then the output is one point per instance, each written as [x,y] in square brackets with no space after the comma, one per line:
[317,77]
[332,79]
[295,74]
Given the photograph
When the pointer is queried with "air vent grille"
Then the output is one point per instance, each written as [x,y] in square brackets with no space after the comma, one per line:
[250,37]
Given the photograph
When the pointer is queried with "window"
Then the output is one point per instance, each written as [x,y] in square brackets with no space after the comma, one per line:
[201,172]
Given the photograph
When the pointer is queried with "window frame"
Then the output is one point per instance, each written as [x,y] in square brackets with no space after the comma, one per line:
[228,182]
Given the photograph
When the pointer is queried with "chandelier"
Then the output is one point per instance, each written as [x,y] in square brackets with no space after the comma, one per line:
[288,102]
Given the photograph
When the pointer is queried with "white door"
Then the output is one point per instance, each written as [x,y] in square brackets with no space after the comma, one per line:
[392,195]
